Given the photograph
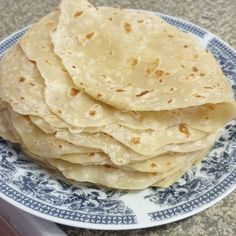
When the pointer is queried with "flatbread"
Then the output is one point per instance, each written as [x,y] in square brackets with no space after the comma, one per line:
[107,176]
[5,129]
[76,111]
[135,60]
[121,155]
[116,178]
[39,143]
[147,142]
[166,162]
[171,179]
[21,86]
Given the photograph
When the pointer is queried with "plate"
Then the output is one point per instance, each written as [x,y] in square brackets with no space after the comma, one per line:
[34,190]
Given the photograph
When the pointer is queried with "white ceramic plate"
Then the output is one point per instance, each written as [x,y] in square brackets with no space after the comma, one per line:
[33,189]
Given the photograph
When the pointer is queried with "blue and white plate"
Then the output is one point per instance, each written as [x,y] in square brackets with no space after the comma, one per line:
[33,189]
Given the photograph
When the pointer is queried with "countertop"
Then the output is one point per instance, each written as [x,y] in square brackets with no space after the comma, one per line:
[216,16]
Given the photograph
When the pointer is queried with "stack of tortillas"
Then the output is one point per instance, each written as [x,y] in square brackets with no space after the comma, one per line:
[113,97]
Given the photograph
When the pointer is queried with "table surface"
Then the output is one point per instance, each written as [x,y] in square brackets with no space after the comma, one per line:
[216,16]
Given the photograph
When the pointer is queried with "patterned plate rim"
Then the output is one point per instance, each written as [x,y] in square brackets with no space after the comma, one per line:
[197,30]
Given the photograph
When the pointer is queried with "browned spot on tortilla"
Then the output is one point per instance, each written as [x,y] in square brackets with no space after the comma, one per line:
[26,117]
[59,111]
[169,101]
[207,51]
[74,92]
[170,36]
[211,107]
[78,13]
[195,69]
[104,76]
[99,95]
[153,164]
[32,84]
[171,89]
[195,56]
[90,35]
[73,66]
[152,66]
[185,46]
[207,87]
[135,140]
[91,154]
[161,81]
[92,113]
[140,21]
[110,19]
[22,98]
[50,24]
[154,174]
[127,27]
[33,62]
[159,73]
[81,83]
[143,93]
[182,66]
[190,76]
[168,163]
[135,113]
[109,166]
[21,79]
[202,74]
[134,62]
[199,96]
[206,118]
[120,90]
[184,129]
[60,146]
[111,52]
[63,69]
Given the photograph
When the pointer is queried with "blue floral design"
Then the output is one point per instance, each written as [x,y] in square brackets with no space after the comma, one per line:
[35,182]
[219,163]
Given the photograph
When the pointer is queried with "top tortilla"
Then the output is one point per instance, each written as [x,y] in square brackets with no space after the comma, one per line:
[136,61]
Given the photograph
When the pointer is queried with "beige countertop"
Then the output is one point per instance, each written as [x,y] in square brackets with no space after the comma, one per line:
[216,16]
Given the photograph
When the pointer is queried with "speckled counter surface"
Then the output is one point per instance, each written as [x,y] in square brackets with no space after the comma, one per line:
[216,16]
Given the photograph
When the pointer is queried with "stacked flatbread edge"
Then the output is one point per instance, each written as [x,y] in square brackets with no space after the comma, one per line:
[112,97]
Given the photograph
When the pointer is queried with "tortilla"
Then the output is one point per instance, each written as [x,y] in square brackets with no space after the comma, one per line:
[107,176]
[21,87]
[5,129]
[135,60]
[171,179]
[112,97]
[163,163]
[74,109]
[39,143]
[121,155]
[113,177]
[147,142]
